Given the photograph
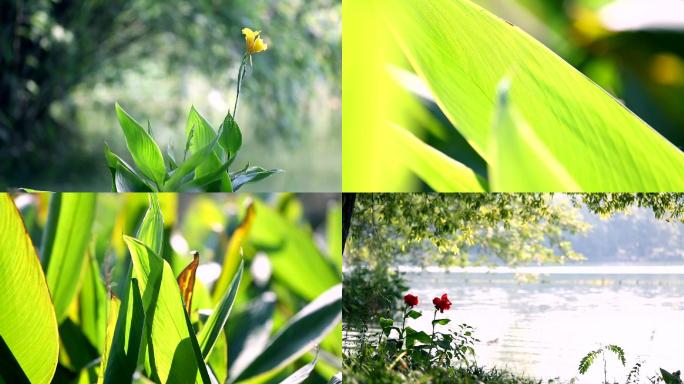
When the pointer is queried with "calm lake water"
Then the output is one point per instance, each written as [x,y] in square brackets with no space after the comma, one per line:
[544,328]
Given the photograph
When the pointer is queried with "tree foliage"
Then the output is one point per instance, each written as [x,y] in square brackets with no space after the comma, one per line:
[458,229]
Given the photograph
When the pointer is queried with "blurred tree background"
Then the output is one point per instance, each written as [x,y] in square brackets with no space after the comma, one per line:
[65,62]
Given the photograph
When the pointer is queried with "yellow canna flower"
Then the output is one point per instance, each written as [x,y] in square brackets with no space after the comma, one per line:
[254,43]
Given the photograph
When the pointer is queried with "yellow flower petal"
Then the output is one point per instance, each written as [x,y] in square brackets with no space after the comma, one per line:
[259,46]
[254,43]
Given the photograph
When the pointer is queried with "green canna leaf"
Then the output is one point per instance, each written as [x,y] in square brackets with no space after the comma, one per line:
[439,171]
[124,177]
[518,160]
[122,349]
[214,325]
[250,175]
[171,342]
[462,52]
[190,165]
[65,238]
[29,342]
[231,136]
[203,136]
[143,148]
[299,335]
[151,231]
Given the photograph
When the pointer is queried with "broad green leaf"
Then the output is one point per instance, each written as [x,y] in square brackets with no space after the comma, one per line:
[143,148]
[151,231]
[191,164]
[124,177]
[121,353]
[249,330]
[209,178]
[10,370]
[439,171]
[297,262]
[250,175]
[301,333]
[28,325]
[231,138]
[233,257]
[519,161]
[171,354]
[213,327]
[204,135]
[64,243]
[462,52]
[93,304]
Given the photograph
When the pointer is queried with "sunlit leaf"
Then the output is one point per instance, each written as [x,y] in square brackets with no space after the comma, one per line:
[64,243]
[519,161]
[151,231]
[439,171]
[462,52]
[28,326]
[93,304]
[170,347]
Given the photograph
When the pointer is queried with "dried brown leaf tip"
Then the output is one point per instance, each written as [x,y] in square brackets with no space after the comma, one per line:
[186,281]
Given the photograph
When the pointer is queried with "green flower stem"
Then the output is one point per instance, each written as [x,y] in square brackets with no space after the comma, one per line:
[241,75]
[403,323]
[432,337]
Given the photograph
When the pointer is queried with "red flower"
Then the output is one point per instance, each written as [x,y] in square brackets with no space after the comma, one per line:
[443,303]
[411,300]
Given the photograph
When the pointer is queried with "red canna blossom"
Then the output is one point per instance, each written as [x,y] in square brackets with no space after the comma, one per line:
[443,303]
[411,300]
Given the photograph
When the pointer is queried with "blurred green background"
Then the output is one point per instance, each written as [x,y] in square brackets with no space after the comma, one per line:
[64,63]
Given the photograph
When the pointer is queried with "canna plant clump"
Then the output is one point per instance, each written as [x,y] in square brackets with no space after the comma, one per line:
[64,320]
[208,153]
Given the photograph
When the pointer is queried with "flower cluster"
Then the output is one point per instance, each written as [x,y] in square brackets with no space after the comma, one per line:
[441,303]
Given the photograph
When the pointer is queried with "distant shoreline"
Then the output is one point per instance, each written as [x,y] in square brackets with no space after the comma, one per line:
[556,270]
